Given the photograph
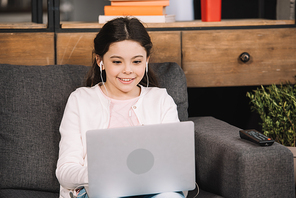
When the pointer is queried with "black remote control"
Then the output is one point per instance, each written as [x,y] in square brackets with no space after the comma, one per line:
[255,136]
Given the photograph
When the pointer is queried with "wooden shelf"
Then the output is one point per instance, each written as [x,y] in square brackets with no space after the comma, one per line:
[196,23]
[22,26]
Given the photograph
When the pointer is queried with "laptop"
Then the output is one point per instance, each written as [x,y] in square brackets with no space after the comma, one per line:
[141,160]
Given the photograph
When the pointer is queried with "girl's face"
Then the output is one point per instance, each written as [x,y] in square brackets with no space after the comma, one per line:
[124,64]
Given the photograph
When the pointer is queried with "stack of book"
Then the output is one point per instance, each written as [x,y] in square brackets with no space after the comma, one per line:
[147,11]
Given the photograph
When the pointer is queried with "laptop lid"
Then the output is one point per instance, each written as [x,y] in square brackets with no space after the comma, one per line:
[141,159]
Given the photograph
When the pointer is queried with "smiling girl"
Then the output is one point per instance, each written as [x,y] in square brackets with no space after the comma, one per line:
[121,91]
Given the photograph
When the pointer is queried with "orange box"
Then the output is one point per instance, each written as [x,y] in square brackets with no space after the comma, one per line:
[210,10]
[141,3]
[134,10]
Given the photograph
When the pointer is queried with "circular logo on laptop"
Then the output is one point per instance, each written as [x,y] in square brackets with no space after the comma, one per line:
[140,161]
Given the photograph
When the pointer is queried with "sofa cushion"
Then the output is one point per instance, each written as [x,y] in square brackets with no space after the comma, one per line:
[13,193]
[32,100]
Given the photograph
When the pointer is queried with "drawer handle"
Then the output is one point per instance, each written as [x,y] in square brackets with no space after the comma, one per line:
[245,57]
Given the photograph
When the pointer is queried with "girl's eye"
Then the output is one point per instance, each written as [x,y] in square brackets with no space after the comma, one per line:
[116,62]
[137,62]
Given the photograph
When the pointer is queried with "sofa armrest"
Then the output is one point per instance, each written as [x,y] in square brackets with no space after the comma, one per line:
[233,167]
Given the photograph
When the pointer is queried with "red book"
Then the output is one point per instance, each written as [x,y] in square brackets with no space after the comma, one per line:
[134,10]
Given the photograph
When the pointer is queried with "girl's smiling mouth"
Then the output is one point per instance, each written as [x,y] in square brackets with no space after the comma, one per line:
[126,80]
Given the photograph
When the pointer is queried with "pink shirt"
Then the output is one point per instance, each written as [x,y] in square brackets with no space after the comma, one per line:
[121,112]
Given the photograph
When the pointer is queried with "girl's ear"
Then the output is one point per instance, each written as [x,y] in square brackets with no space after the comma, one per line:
[98,60]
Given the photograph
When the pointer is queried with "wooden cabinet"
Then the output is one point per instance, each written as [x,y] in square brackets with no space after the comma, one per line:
[207,52]
[211,57]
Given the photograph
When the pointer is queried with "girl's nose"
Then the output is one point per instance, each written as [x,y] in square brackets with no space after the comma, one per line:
[127,69]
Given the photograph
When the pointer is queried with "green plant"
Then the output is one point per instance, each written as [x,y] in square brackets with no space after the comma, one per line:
[276,105]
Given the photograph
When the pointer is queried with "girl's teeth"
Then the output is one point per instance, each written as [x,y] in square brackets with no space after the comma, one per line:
[124,79]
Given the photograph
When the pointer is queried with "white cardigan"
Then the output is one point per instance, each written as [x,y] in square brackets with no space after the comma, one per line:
[87,108]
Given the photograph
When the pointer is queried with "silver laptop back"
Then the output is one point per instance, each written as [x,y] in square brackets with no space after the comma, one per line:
[141,160]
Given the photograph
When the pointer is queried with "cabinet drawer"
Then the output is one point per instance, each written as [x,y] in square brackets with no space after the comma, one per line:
[27,48]
[166,47]
[76,48]
[211,57]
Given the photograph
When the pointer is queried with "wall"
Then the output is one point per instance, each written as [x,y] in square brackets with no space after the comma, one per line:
[88,10]
[285,9]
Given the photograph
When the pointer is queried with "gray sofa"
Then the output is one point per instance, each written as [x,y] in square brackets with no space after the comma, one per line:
[32,100]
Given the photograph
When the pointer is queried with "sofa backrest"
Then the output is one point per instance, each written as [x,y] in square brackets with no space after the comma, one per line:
[32,101]
[171,76]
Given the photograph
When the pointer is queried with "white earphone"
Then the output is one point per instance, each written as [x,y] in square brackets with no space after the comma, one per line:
[147,74]
[101,69]
[101,65]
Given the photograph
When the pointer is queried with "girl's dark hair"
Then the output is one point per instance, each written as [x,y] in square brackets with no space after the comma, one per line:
[116,30]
